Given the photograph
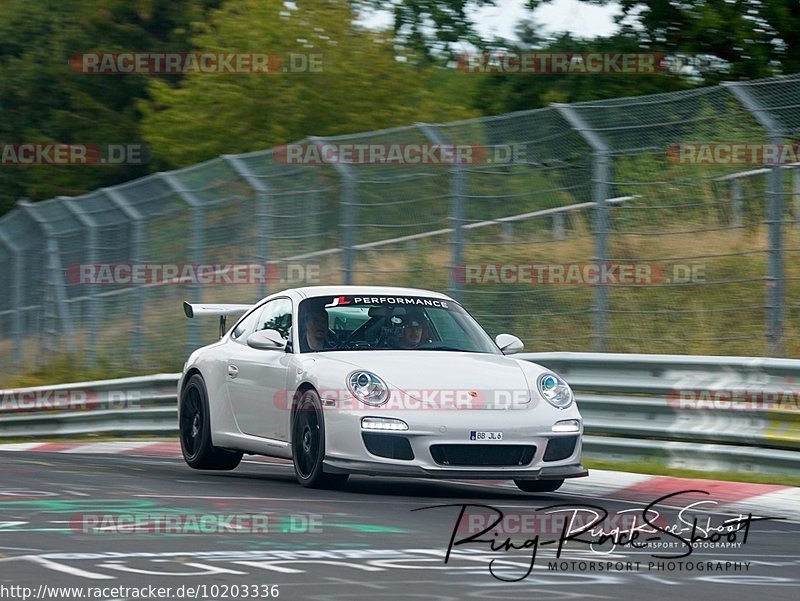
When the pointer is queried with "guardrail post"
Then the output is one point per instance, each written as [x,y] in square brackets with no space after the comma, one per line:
[458,176]
[137,256]
[263,212]
[457,216]
[16,295]
[56,277]
[601,178]
[196,246]
[93,310]
[348,213]
[774,218]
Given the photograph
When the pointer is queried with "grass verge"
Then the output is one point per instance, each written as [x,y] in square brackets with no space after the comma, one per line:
[659,469]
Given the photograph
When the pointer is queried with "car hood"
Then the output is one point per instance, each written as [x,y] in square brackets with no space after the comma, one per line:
[481,381]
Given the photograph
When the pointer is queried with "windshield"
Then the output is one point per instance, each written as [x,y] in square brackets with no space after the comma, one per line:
[330,323]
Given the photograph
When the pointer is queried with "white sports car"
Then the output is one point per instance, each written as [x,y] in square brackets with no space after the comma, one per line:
[378,381]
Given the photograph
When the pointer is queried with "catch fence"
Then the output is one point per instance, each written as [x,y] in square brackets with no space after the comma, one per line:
[596,226]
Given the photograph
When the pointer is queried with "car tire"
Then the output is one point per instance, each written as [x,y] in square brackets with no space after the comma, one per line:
[539,485]
[194,426]
[308,444]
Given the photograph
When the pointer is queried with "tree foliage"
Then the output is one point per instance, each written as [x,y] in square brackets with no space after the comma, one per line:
[432,25]
[724,39]
[370,79]
[43,100]
[498,92]
[361,86]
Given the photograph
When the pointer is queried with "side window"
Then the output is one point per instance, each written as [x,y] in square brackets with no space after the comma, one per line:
[276,315]
[246,327]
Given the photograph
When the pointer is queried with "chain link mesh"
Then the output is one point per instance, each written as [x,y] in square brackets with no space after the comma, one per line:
[700,232]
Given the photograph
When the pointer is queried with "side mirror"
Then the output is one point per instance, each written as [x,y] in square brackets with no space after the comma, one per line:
[267,340]
[508,344]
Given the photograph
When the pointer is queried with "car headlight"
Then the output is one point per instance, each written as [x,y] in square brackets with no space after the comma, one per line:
[555,390]
[368,388]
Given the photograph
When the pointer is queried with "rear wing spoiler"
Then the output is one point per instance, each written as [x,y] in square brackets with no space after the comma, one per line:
[222,310]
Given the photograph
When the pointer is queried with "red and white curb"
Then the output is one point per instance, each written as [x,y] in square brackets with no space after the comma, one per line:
[116,447]
[131,448]
[758,499]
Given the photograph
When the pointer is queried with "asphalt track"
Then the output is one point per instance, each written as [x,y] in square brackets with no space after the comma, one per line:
[363,542]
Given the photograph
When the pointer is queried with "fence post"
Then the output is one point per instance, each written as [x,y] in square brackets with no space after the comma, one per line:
[558,226]
[601,177]
[796,196]
[774,219]
[56,273]
[137,256]
[348,212]
[457,192]
[736,199]
[16,295]
[93,309]
[263,212]
[196,247]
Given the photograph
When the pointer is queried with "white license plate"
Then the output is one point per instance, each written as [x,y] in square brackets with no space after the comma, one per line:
[479,435]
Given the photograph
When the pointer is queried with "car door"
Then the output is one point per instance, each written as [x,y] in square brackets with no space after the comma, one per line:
[256,378]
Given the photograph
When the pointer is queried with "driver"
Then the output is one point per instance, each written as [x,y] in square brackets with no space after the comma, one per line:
[412,330]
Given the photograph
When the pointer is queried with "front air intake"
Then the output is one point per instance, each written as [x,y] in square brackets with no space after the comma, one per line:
[390,446]
[477,455]
[560,448]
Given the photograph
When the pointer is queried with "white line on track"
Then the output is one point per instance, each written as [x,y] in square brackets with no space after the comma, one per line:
[721,509]
[292,499]
[433,500]
[59,567]
[660,580]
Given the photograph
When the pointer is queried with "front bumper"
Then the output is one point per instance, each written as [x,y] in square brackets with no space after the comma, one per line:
[381,468]
[531,428]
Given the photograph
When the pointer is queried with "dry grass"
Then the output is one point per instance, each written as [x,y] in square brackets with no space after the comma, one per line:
[702,317]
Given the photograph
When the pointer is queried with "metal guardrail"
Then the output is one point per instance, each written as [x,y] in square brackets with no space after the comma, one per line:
[733,414]
[143,405]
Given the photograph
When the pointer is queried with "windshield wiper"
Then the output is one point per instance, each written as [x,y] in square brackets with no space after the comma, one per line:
[444,348]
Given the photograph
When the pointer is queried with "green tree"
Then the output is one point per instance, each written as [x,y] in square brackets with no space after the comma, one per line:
[498,92]
[736,39]
[365,83]
[428,26]
[43,100]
